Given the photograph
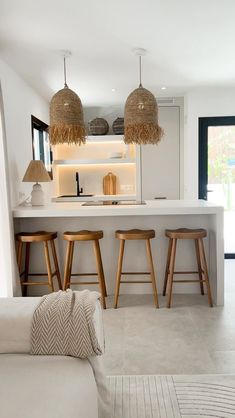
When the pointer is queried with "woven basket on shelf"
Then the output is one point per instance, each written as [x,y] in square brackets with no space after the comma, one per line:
[118,126]
[98,126]
[66,118]
[141,118]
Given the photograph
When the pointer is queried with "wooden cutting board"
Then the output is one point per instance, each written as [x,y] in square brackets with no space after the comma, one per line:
[110,184]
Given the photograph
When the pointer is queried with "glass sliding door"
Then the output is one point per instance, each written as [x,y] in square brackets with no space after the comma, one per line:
[217,170]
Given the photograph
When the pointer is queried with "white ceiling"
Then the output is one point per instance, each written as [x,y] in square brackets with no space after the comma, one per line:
[190,43]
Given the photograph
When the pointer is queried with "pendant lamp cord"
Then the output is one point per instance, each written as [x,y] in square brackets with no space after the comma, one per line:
[140,68]
[141,176]
[65,81]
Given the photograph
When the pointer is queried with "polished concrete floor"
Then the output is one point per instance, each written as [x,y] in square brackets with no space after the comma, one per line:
[189,338]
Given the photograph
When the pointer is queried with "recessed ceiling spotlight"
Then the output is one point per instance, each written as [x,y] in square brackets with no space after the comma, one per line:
[163,88]
[113,89]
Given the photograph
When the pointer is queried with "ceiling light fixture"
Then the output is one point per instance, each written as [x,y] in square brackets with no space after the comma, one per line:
[141,113]
[66,115]
[163,88]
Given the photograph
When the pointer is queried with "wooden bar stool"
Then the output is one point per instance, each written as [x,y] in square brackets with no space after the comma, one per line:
[29,238]
[184,233]
[80,236]
[135,234]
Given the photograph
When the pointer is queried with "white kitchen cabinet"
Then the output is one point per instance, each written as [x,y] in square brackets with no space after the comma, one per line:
[161,163]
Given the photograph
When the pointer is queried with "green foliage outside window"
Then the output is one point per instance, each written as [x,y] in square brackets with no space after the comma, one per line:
[221,151]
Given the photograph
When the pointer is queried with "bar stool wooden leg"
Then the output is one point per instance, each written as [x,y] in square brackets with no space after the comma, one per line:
[97,246]
[152,273]
[100,271]
[57,270]
[98,256]
[19,260]
[171,271]
[48,264]
[26,268]
[119,271]
[167,267]
[199,266]
[205,271]
[67,267]
[71,260]
[19,255]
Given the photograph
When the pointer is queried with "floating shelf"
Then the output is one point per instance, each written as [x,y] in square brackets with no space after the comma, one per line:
[100,161]
[104,139]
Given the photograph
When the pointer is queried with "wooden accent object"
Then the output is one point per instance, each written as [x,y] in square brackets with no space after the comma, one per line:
[25,238]
[80,236]
[110,184]
[135,234]
[184,233]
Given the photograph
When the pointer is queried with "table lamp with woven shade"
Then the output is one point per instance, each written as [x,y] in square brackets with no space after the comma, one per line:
[141,115]
[66,116]
[36,172]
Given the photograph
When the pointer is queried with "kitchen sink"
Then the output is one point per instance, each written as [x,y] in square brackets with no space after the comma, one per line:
[74,195]
[113,203]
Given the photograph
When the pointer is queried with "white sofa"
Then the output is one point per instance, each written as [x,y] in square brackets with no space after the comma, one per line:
[46,386]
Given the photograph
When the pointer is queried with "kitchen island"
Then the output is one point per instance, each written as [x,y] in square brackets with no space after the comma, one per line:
[156,214]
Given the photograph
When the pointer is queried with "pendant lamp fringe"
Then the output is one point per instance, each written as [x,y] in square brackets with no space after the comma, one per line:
[69,134]
[146,133]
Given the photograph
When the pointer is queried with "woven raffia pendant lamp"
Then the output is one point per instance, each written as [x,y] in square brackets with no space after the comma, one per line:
[141,115]
[66,116]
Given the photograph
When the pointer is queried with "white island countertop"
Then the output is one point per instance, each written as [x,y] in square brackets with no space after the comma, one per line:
[152,207]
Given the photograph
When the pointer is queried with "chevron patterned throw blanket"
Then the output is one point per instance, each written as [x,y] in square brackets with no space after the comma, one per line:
[63,325]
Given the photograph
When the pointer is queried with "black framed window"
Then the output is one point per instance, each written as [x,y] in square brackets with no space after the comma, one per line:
[216,170]
[40,143]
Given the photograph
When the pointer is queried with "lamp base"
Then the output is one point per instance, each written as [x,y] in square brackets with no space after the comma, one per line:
[37,195]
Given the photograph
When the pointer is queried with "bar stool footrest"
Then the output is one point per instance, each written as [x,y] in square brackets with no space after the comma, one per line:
[83,283]
[189,281]
[137,273]
[34,283]
[83,274]
[187,272]
[135,281]
[37,274]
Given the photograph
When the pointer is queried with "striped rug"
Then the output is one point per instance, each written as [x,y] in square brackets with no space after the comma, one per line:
[152,396]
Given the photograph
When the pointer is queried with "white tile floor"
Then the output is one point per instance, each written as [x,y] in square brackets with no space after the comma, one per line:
[189,338]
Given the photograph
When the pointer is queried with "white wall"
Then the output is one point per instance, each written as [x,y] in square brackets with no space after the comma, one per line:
[20,101]
[203,102]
